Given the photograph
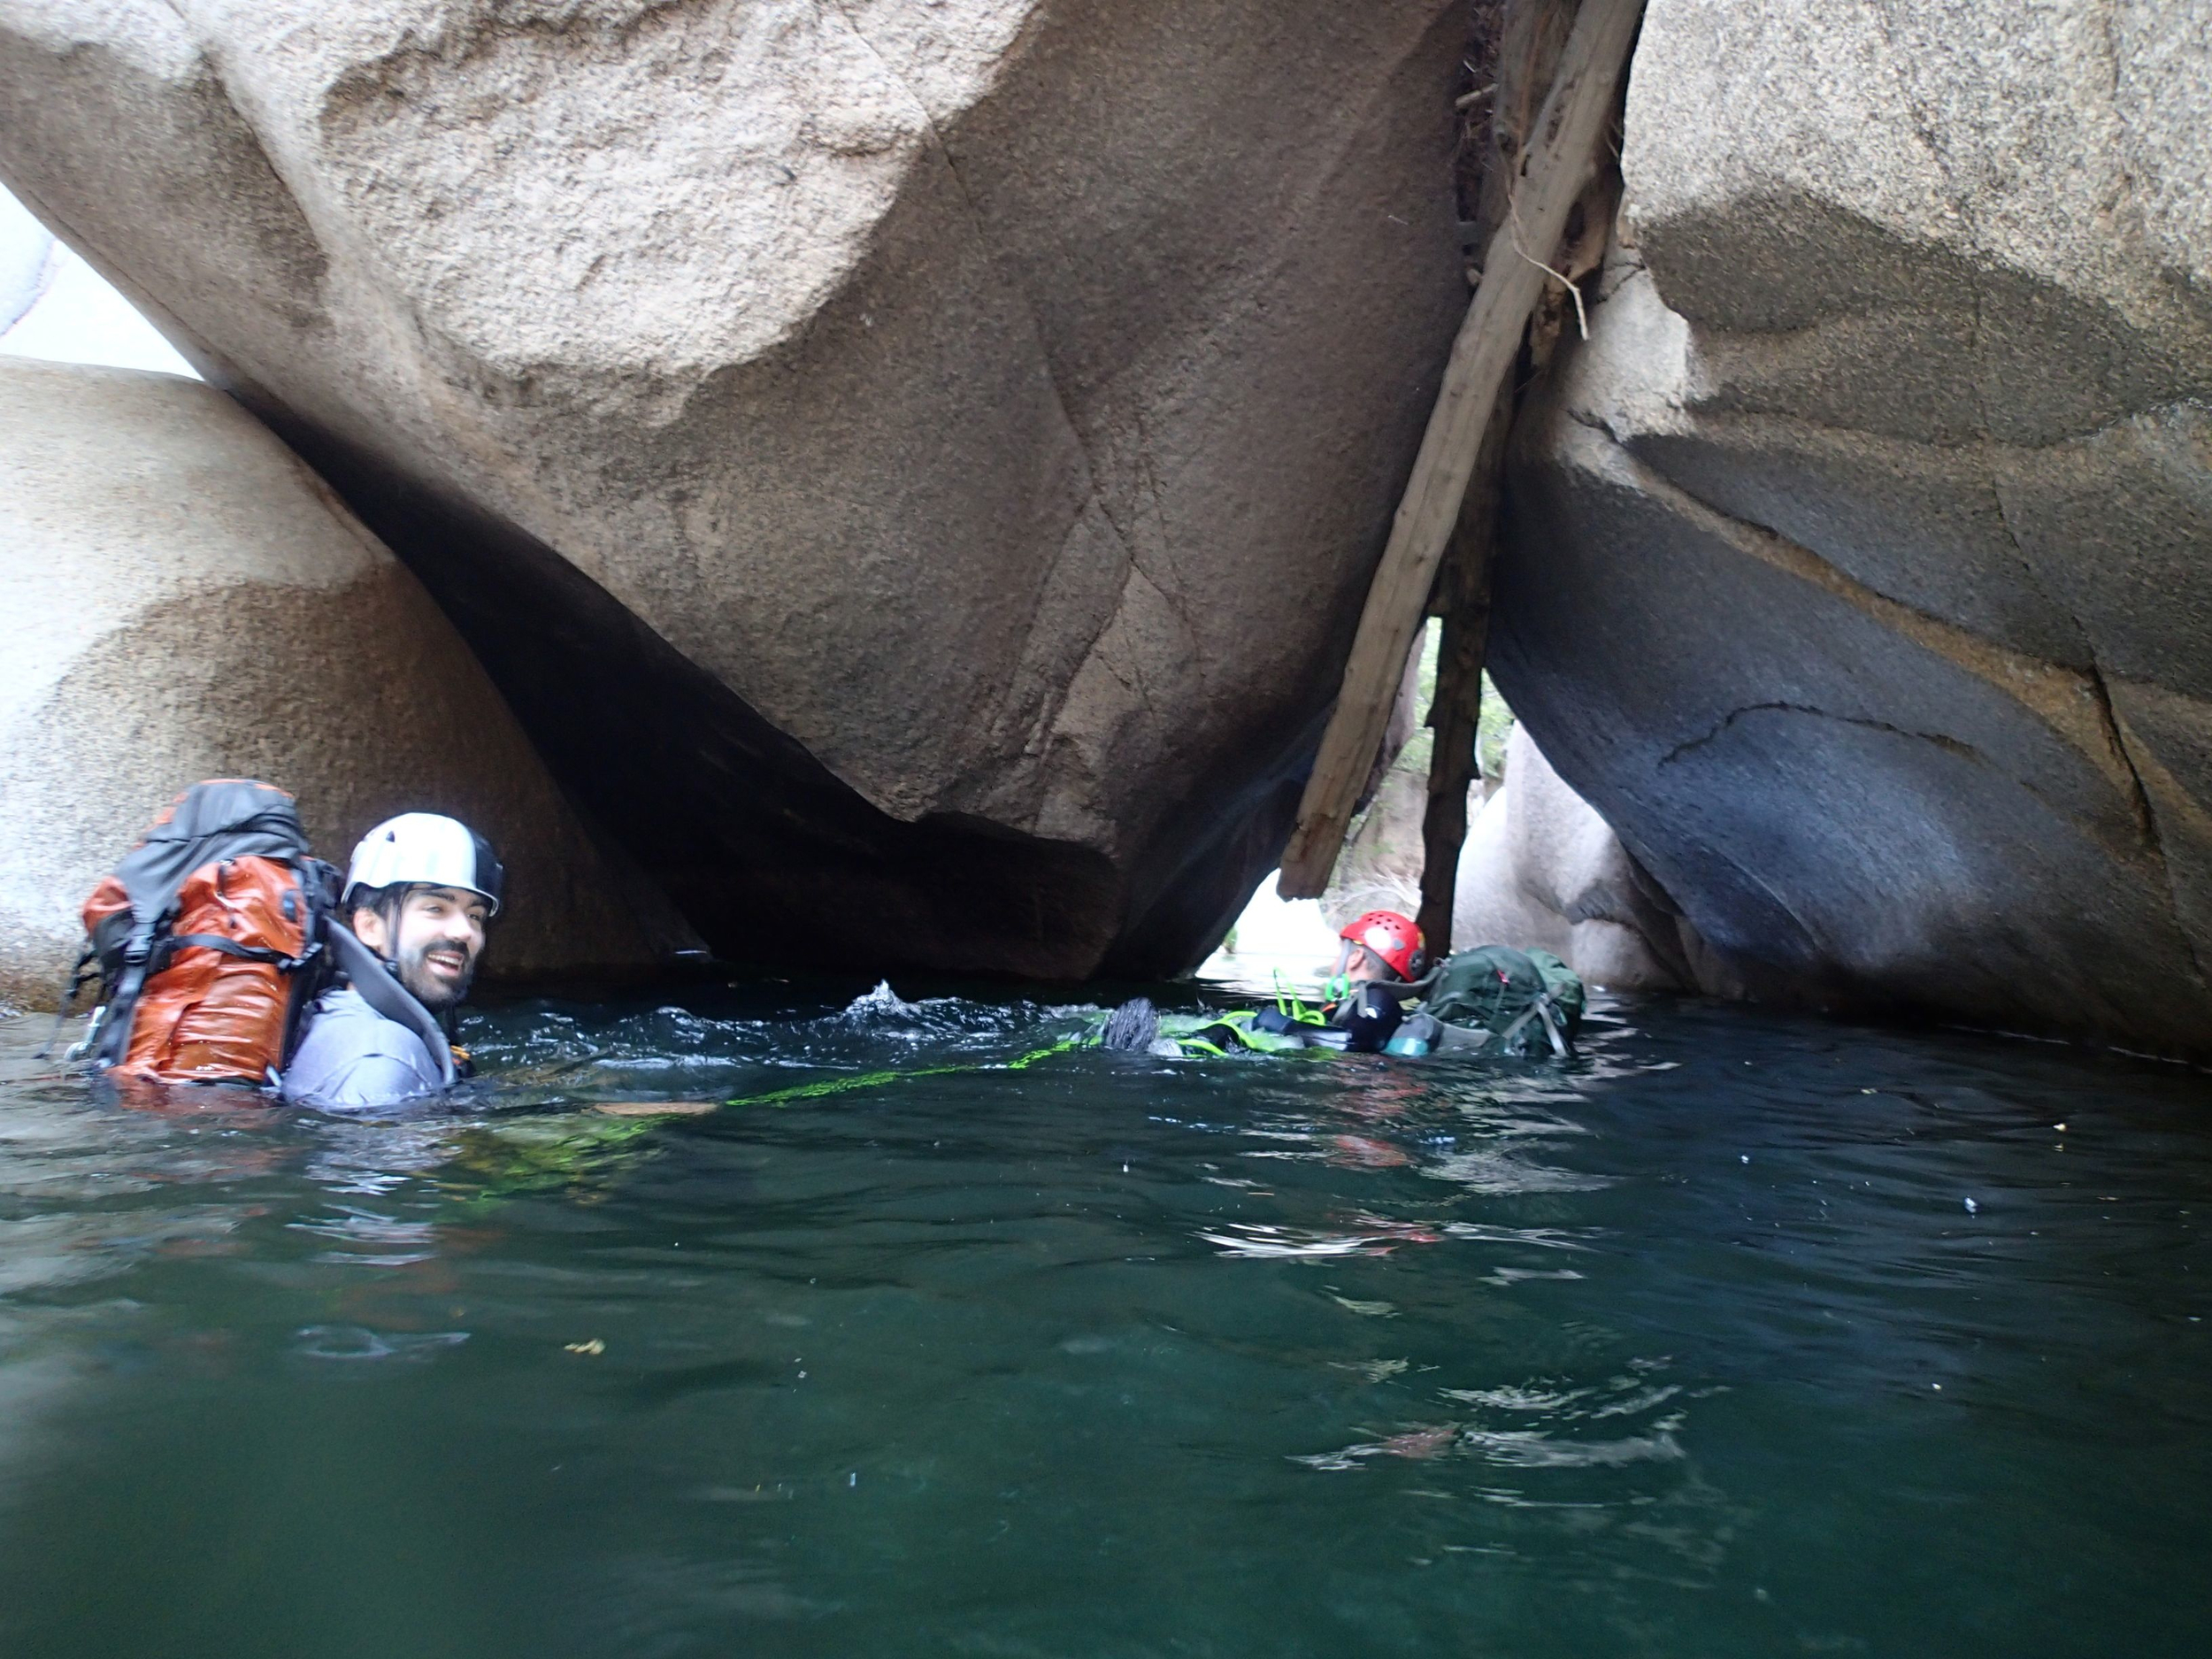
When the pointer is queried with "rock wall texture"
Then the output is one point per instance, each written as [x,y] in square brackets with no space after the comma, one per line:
[183,599]
[1861,567]
[1542,870]
[912,464]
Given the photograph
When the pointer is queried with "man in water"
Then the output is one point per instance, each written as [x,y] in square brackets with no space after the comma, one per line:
[1380,955]
[1380,947]
[420,892]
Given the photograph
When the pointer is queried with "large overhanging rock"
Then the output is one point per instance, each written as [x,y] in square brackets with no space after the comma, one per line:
[912,464]
[1861,574]
[185,600]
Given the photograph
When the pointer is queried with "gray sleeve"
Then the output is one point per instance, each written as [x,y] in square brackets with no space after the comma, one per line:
[369,1080]
[349,1063]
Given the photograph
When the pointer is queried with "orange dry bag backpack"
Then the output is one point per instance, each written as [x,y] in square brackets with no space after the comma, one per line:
[209,941]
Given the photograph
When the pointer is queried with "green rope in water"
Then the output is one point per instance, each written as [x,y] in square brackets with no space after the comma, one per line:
[873,1079]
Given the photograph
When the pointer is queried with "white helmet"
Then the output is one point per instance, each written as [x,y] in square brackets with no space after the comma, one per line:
[425,849]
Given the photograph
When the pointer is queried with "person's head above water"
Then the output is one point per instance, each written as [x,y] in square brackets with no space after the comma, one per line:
[1380,945]
[420,892]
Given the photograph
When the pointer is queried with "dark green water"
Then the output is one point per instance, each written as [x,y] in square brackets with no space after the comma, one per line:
[1696,1349]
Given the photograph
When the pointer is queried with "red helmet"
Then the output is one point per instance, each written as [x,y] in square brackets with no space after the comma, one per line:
[1389,936]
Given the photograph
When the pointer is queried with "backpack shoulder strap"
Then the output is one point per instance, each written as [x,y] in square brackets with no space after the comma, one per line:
[387,995]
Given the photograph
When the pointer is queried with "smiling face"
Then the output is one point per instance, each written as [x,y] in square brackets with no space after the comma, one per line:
[436,942]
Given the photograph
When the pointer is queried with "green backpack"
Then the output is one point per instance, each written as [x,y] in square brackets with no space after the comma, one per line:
[1522,1002]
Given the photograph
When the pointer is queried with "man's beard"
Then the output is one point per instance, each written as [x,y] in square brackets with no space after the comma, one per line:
[433,993]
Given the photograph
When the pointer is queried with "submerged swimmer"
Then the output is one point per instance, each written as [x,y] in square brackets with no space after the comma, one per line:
[1492,1001]
[1379,964]
[1382,997]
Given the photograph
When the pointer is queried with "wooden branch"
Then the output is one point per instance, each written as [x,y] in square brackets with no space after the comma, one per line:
[1457,712]
[1529,49]
[1551,172]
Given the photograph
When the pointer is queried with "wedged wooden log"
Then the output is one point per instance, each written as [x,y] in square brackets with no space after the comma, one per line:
[1533,36]
[1550,174]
